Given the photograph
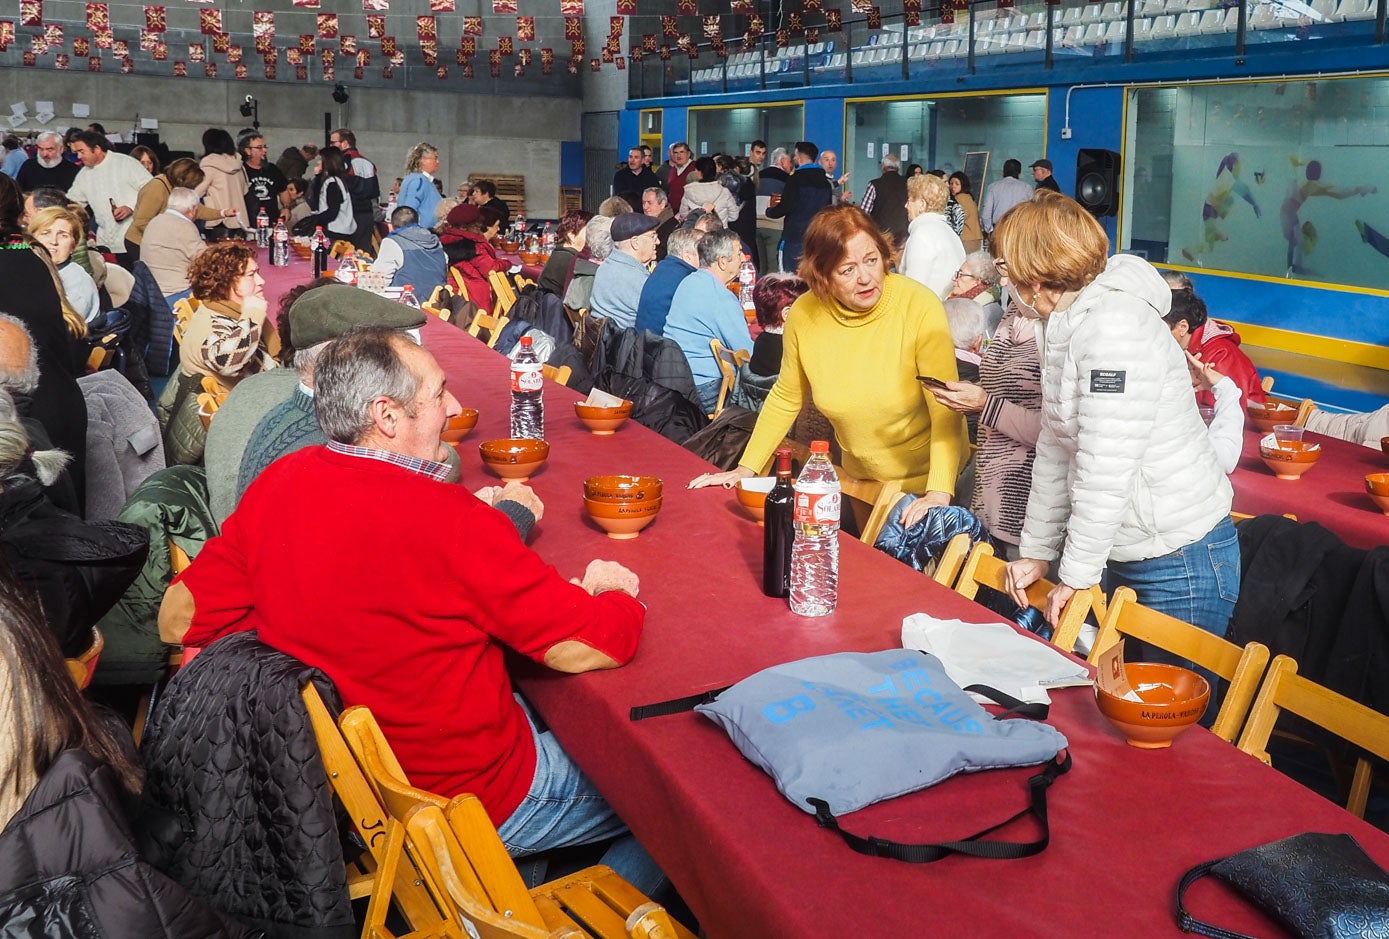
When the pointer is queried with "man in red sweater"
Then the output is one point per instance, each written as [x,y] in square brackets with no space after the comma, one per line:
[359,559]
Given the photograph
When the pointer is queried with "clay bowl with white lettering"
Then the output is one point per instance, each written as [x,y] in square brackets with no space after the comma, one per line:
[622,505]
[1377,488]
[1172,699]
[752,495]
[1289,459]
[456,428]
[601,421]
[514,459]
[1272,411]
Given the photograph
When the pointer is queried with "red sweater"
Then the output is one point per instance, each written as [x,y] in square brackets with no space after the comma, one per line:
[1218,346]
[403,590]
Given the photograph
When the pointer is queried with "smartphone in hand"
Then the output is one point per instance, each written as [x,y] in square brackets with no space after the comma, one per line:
[930,382]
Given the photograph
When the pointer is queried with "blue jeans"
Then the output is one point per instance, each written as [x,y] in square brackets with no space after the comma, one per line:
[563,808]
[709,394]
[1198,584]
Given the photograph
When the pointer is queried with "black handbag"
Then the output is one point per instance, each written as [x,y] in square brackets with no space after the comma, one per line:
[1319,886]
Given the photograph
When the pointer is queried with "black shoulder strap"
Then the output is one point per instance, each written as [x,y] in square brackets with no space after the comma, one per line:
[1188,923]
[675,705]
[974,845]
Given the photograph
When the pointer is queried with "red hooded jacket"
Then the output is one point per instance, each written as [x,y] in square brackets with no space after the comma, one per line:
[1218,346]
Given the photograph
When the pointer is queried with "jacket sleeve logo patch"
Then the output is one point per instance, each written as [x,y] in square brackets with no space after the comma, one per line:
[1107,381]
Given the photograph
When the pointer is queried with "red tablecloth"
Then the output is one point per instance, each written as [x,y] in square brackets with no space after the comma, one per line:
[1125,823]
[1331,493]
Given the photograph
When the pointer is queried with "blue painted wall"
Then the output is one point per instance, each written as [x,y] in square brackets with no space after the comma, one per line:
[628,132]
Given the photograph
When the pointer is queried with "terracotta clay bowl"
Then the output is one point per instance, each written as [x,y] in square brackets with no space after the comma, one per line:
[1174,698]
[1289,460]
[456,428]
[1384,444]
[514,459]
[1377,488]
[1272,412]
[622,520]
[623,489]
[752,495]
[603,421]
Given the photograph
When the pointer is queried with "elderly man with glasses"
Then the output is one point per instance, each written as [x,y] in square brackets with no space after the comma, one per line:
[617,285]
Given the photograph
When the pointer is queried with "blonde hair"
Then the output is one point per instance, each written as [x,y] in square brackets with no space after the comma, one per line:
[1050,241]
[930,190]
[43,219]
[417,153]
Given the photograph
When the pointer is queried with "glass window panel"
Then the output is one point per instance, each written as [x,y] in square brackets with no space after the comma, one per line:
[732,130]
[1273,178]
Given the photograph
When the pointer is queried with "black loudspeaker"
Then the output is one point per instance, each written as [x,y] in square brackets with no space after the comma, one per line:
[1097,181]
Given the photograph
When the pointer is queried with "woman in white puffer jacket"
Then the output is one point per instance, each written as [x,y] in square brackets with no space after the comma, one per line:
[1125,477]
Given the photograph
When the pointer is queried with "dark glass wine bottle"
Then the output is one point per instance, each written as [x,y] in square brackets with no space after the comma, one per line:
[777,531]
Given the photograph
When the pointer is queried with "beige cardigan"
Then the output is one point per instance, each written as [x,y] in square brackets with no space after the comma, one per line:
[226,186]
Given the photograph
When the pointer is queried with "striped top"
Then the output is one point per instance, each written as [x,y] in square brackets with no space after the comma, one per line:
[1011,374]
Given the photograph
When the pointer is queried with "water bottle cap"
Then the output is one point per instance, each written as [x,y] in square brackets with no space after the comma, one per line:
[525,340]
[820,446]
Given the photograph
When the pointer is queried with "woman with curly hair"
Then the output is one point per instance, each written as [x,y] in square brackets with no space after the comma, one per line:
[417,188]
[227,338]
[182,173]
[559,270]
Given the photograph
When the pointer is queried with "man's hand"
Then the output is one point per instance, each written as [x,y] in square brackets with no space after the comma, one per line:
[602,576]
[122,212]
[522,495]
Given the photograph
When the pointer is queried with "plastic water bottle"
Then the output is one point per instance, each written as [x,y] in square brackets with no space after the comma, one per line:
[547,240]
[407,296]
[346,272]
[279,251]
[777,529]
[520,225]
[747,276]
[815,551]
[320,252]
[527,401]
[262,229]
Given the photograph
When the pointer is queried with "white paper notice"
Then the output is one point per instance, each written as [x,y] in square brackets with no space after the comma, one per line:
[871,146]
[81,110]
[42,106]
[149,123]
[903,156]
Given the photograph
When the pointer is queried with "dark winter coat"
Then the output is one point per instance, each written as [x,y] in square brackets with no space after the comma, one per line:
[652,373]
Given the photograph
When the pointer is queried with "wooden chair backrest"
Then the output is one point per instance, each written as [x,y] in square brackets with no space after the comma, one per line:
[1285,689]
[493,324]
[503,291]
[1266,383]
[1304,411]
[1242,668]
[983,568]
[84,666]
[559,376]
[878,496]
[183,311]
[952,559]
[102,353]
[729,361]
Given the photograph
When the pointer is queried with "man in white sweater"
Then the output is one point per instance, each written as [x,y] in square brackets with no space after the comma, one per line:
[108,185]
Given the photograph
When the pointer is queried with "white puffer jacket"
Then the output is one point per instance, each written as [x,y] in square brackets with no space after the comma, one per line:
[1124,469]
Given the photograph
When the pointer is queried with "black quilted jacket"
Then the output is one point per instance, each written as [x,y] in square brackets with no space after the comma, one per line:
[69,867]
[232,753]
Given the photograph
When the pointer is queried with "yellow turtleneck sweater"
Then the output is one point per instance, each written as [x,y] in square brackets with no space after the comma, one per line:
[861,369]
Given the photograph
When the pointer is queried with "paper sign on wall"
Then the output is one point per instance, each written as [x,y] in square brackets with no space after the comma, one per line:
[149,123]
[81,110]
[704,148]
[903,155]
[870,149]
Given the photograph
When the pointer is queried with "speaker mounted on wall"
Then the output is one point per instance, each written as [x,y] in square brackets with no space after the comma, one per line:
[1097,181]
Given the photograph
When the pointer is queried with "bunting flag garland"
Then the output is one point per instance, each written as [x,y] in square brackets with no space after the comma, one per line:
[79,47]
[518,70]
[571,7]
[525,28]
[573,27]
[664,52]
[875,18]
[720,50]
[504,45]
[103,39]
[606,55]
[155,19]
[595,65]
[626,7]
[147,40]
[468,70]
[301,72]
[347,45]
[442,72]
[862,6]
[811,6]
[468,46]
[363,58]
[294,56]
[263,24]
[461,57]
[271,70]
[472,26]
[308,5]
[572,66]
[160,52]
[376,6]
[180,69]
[524,56]
[221,43]
[233,54]
[264,44]
[93,63]
[388,47]
[613,45]
[494,63]
[6,33]
[547,61]
[359,73]
[615,25]
[426,28]
[98,16]
[38,45]
[376,26]
[209,22]
[329,58]
[812,36]
[783,38]
[327,26]
[1006,4]
[196,52]
[947,14]
[833,21]
[576,49]
[755,25]
[53,34]
[793,23]
[429,54]
[210,69]
[120,48]
[30,12]
[61,60]
[306,43]
[741,7]
[687,7]
[911,12]
[240,71]
[29,59]
[504,7]
[648,42]
[621,64]
[669,27]
[387,72]
[441,6]
[712,30]
[127,65]
[398,58]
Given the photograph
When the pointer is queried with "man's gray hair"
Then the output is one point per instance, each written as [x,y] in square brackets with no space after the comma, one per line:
[27,379]
[599,236]
[684,244]
[183,201]
[718,245]
[659,193]
[980,264]
[48,135]
[305,360]
[779,154]
[354,371]
[404,215]
[966,320]
[14,447]
[1176,280]
[890,162]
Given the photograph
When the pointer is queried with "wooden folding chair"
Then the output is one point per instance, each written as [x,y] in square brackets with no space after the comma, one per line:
[1266,383]
[84,666]
[102,353]
[1304,411]
[183,311]
[729,361]
[1286,690]
[364,808]
[982,568]
[1242,668]
[872,497]
[951,560]
[559,376]
[503,291]
[493,324]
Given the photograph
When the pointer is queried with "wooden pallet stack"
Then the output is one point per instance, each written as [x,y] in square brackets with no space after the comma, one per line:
[510,189]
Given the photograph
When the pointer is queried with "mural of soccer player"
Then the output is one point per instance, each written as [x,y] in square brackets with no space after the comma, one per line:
[1302,236]
[1219,201]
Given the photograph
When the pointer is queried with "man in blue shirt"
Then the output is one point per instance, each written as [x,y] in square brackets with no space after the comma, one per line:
[681,261]
[704,309]
[14,156]
[618,284]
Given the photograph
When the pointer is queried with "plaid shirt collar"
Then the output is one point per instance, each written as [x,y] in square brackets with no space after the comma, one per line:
[439,472]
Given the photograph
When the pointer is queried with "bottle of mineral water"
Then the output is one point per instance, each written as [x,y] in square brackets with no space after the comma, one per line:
[262,229]
[527,401]
[407,296]
[815,551]
[747,277]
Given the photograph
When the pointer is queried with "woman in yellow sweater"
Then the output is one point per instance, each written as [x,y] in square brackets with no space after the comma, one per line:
[855,344]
